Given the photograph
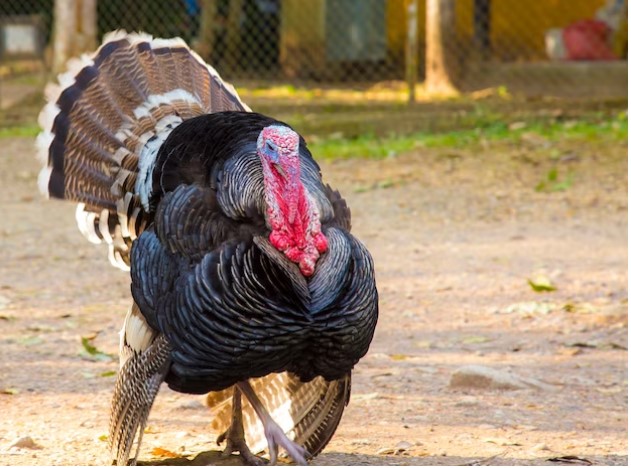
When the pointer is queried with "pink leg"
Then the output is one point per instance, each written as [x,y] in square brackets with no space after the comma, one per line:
[273,433]
[234,436]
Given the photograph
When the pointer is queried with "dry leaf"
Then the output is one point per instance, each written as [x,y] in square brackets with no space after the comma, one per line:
[609,390]
[160,452]
[571,460]
[475,340]
[398,357]
[541,283]
[500,441]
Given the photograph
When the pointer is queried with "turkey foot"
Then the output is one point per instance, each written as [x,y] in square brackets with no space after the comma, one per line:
[273,433]
[234,435]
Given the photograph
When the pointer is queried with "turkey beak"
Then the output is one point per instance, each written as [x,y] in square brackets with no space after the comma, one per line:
[280,170]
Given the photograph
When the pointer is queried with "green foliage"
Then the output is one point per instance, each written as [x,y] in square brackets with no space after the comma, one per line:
[19,131]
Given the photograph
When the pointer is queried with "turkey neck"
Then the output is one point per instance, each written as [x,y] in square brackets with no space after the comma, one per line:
[292,215]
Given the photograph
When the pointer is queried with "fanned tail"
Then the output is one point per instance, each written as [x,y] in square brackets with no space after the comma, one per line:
[308,412]
[105,122]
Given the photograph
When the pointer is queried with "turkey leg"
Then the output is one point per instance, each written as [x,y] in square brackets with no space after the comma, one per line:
[234,435]
[273,433]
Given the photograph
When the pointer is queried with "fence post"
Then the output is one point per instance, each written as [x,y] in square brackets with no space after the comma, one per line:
[74,30]
[440,63]
[206,37]
[65,27]
[233,35]
[88,25]
[411,50]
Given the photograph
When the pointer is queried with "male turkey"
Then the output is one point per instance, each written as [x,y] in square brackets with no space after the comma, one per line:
[244,276]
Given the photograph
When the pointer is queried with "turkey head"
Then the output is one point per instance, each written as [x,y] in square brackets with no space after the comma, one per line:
[291,214]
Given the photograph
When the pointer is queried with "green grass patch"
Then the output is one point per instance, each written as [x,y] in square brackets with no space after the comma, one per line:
[371,146]
[30,130]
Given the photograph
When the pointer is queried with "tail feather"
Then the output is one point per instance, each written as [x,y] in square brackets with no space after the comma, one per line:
[137,385]
[106,120]
[308,412]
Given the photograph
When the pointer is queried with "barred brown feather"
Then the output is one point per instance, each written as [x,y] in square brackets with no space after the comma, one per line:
[102,119]
[308,411]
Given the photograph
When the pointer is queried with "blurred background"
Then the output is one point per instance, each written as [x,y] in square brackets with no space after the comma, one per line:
[357,53]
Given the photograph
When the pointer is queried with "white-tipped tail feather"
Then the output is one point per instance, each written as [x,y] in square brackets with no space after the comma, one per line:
[308,412]
[105,122]
[135,336]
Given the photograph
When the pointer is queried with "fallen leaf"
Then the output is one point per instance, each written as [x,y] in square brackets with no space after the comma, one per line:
[423,344]
[404,445]
[25,442]
[516,125]
[91,352]
[475,340]
[398,357]
[10,391]
[500,441]
[109,373]
[160,452]
[609,390]
[391,451]
[541,283]
[529,308]
[571,460]
[103,437]
[570,351]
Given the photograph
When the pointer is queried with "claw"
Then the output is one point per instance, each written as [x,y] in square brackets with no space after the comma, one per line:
[235,437]
[273,432]
[276,437]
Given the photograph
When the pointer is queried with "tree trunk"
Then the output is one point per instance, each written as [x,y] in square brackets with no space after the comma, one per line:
[206,38]
[441,62]
[65,26]
[233,35]
[74,30]
[411,50]
[87,27]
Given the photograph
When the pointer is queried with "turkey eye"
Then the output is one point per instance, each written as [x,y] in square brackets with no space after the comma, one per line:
[270,147]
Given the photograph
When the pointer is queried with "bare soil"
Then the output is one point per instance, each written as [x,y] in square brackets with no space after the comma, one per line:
[455,235]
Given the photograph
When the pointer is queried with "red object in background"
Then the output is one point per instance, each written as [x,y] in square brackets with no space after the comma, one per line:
[587,40]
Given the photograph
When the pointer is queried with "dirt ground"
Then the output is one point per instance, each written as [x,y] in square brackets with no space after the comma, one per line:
[455,235]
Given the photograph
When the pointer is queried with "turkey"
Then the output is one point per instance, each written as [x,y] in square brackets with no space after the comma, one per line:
[245,278]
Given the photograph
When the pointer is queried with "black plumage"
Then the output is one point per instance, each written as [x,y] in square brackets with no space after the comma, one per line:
[163,157]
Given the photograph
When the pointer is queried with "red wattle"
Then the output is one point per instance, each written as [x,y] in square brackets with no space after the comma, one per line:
[278,240]
[321,243]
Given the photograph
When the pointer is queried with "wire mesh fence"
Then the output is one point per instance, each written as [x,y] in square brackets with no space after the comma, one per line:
[536,45]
